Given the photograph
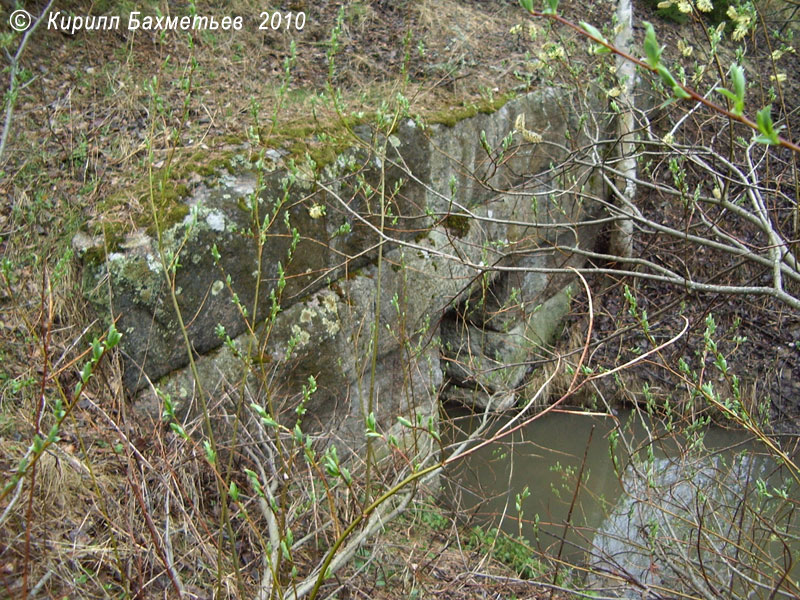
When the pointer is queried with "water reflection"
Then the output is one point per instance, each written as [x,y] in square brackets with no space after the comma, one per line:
[654,516]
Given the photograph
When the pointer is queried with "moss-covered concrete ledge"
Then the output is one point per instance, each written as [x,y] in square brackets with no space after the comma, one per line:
[302,141]
[328,304]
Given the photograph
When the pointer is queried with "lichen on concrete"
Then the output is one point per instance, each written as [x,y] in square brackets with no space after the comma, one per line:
[326,278]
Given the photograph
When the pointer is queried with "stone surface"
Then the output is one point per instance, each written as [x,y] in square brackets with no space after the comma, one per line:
[487,367]
[445,318]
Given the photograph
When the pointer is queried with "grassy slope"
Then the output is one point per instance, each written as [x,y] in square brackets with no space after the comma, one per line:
[108,120]
[87,138]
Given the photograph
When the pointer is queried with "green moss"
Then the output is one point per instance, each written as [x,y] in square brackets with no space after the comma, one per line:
[174,212]
[167,193]
[97,254]
[458,225]
[113,234]
[325,154]
[169,204]
[450,115]
[323,142]
[234,140]
[212,168]
[293,131]
[491,106]
[168,198]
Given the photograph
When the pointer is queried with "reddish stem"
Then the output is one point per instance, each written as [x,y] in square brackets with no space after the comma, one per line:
[640,63]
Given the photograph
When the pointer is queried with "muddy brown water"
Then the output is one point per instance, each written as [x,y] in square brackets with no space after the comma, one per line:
[602,516]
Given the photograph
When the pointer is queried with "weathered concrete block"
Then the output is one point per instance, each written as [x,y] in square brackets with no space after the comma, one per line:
[451,212]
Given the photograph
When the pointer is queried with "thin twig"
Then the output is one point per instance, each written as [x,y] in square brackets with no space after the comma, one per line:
[12,78]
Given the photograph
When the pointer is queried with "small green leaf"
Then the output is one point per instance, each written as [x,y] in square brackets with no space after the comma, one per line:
[670,81]
[737,95]
[86,372]
[178,430]
[768,135]
[651,48]
[404,422]
[331,460]
[210,454]
[254,482]
[169,408]
[269,421]
[728,94]
[486,147]
[233,492]
[58,409]
[312,385]
[666,76]
[763,117]
[348,479]
[113,337]
[680,93]
[527,5]
[593,31]
[97,349]
[551,8]
[737,74]
[332,469]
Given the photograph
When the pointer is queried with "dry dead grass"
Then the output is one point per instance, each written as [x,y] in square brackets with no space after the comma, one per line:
[116,502]
[417,561]
[88,121]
